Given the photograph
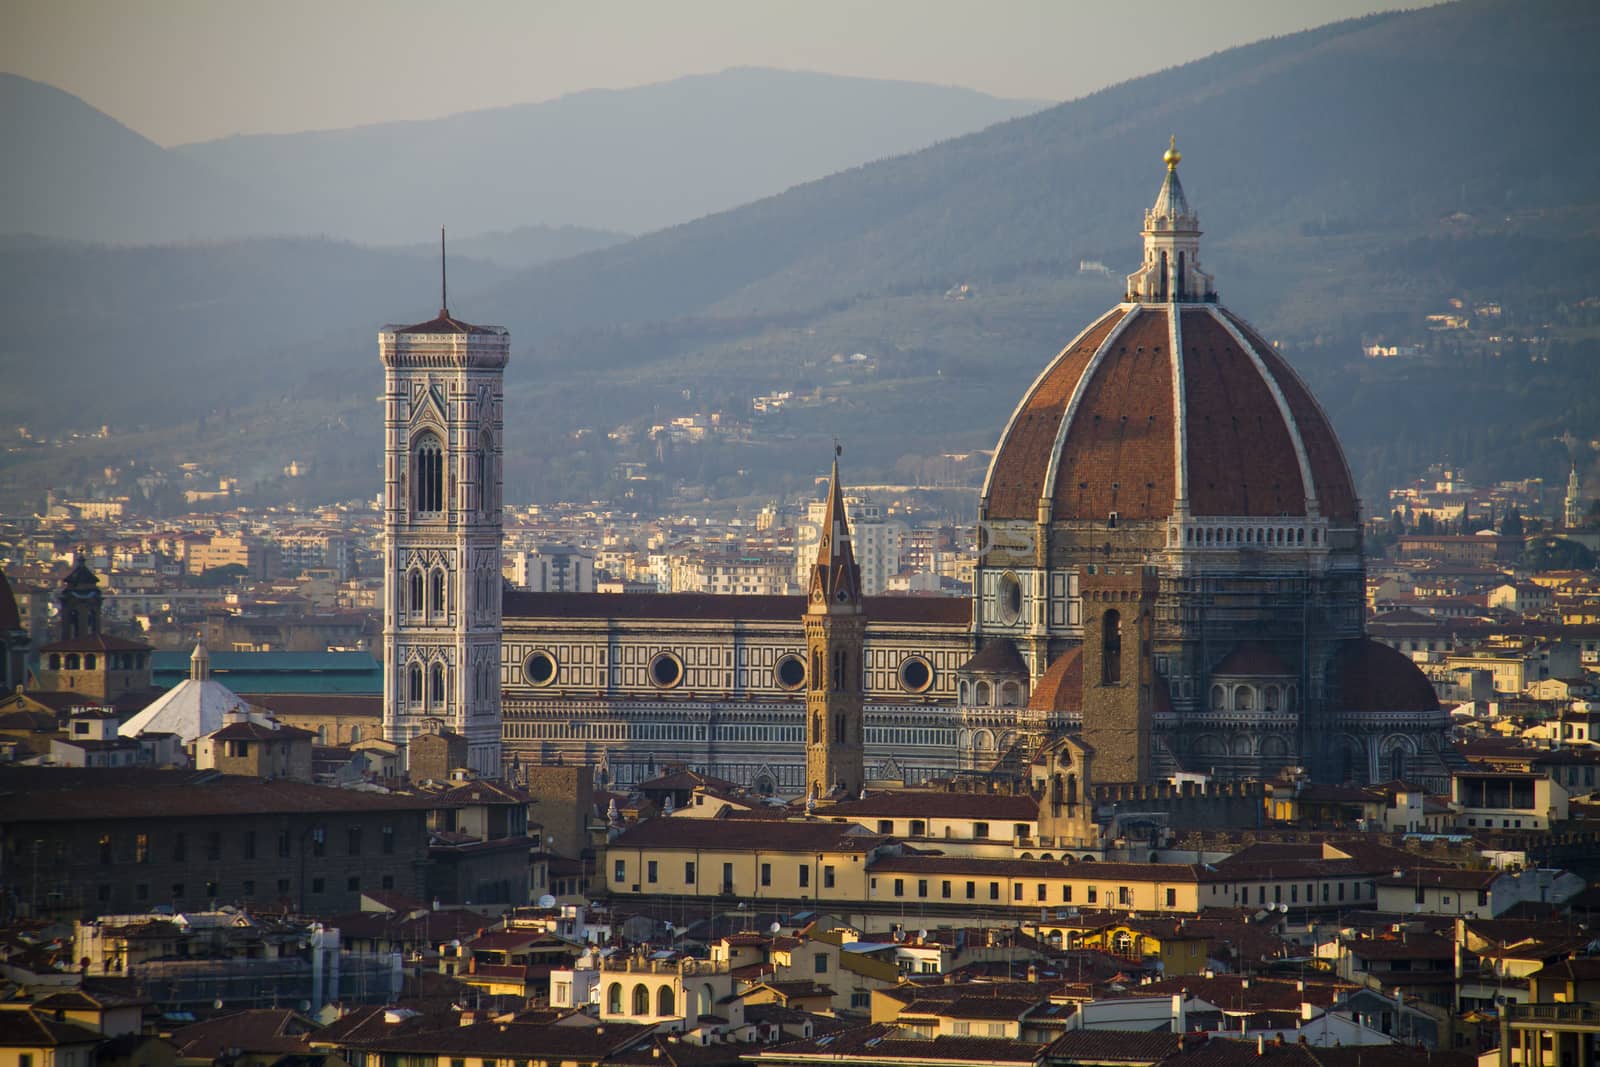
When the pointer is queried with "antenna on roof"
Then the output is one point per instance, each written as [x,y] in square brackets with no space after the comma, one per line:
[444,281]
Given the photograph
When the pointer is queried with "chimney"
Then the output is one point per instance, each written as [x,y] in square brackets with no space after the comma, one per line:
[1180,1022]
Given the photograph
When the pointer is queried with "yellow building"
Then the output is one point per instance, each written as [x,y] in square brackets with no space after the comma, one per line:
[745,859]
[984,883]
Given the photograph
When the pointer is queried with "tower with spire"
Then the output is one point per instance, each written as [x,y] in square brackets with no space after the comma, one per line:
[443,434]
[1171,270]
[1572,503]
[835,625]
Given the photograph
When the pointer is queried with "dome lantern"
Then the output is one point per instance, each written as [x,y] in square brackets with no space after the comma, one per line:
[1171,270]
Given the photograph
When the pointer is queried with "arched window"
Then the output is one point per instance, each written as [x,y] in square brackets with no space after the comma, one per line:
[1162,292]
[641,999]
[436,593]
[1010,695]
[427,475]
[414,683]
[964,692]
[1270,698]
[614,998]
[665,1002]
[1244,698]
[816,728]
[838,670]
[72,661]
[355,734]
[485,472]
[1219,698]
[1111,648]
[89,661]
[416,592]
[436,686]
[816,669]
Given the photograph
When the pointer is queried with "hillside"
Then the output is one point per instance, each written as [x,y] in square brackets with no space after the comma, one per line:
[85,176]
[1351,180]
[626,159]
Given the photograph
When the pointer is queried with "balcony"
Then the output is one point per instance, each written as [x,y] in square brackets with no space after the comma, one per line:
[1559,1014]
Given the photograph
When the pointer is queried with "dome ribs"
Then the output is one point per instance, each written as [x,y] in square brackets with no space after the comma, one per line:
[1241,456]
[1336,496]
[1022,462]
[1118,453]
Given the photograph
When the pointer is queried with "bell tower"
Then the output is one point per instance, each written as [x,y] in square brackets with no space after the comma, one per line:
[443,432]
[835,630]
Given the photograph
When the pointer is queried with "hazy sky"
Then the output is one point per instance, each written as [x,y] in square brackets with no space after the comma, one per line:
[186,70]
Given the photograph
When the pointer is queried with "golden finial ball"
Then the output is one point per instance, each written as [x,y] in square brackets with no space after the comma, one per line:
[1171,156]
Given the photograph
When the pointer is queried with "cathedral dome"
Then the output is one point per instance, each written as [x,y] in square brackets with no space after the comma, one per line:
[1374,677]
[1169,404]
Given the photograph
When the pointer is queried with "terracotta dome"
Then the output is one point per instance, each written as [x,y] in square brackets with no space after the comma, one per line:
[1169,403]
[1120,423]
[1060,689]
[1374,677]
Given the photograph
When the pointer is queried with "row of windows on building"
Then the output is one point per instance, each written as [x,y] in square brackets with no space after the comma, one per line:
[89,661]
[1252,698]
[652,874]
[665,670]
[1268,536]
[214,844]
[216,890]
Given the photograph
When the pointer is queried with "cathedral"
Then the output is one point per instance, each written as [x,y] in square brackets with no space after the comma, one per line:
[1170,578]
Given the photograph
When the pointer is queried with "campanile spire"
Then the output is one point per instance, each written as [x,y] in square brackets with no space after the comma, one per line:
[1171,270]
[835,636]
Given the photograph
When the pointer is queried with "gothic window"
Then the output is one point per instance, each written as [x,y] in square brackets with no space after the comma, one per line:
[485,472]
[436,599]
[415,582]
[1180,275]
[427,475]
[816,669]
[1111,648]
[816,728]
[838,670]
[436,687]
[414,680]
[1163,289]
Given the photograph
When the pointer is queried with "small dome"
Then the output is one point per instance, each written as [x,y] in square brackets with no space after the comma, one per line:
[1061,688]
[1374,677]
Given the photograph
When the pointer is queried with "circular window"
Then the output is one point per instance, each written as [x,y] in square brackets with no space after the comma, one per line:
[1010,598]
[666,671]
[790,672]
[916,674]
[539,668]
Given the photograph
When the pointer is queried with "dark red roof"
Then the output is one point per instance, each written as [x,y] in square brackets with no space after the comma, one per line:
[745,833]
[444,322]
[96,643]
[1061,688]
[254,731]
[945,611]
[1120,452]
[999,656]
[1374,677]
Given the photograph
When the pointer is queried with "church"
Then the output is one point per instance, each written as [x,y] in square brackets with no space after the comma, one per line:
[1170,576]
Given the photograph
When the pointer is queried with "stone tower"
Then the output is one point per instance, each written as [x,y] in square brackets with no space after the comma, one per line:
[835,628]
[79,602]
[443,433]
[1118,683]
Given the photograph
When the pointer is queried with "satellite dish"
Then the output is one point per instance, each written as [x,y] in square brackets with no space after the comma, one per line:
[1283,908]
[217,1003]
[776,926]
[922,935]
[547,901]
